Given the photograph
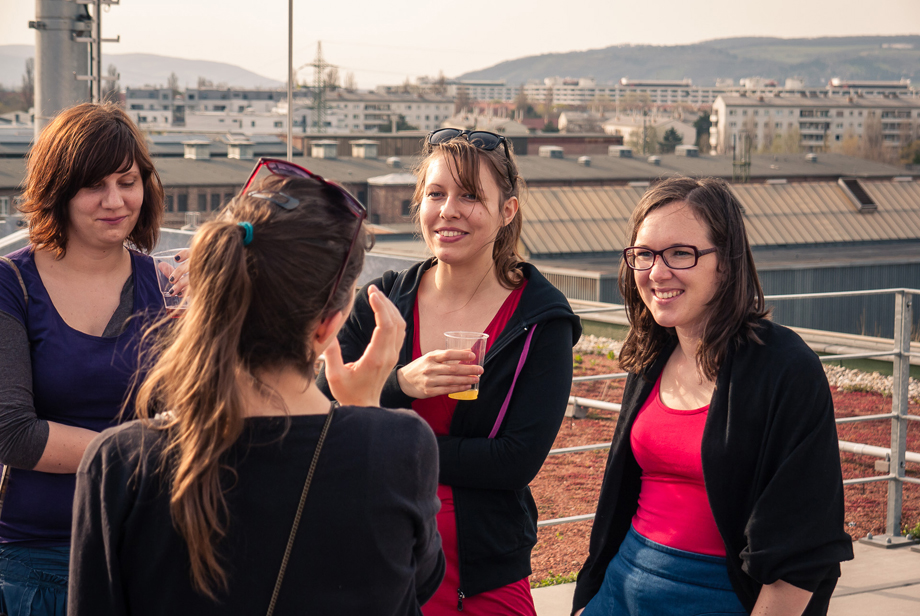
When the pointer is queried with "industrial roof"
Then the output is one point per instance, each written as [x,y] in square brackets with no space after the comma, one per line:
[537,171]
[593,219]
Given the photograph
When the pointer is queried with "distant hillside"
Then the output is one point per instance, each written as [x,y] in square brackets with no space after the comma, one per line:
[139,69]
[817,60]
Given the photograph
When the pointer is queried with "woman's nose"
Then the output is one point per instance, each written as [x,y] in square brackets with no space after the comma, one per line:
[112,197]
[659,269]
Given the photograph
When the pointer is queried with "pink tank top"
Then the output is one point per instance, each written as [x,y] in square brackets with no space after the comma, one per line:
[673,506]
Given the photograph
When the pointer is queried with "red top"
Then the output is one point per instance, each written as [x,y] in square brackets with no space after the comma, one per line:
[673,507]
[438,411]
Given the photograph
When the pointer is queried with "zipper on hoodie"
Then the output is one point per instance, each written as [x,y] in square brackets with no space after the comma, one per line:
[460,597]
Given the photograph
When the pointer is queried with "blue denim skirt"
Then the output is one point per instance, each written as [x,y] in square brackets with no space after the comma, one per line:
[33,581]
[649,578]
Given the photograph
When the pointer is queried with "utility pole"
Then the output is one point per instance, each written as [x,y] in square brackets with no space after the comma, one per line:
[290,84]
[95,40]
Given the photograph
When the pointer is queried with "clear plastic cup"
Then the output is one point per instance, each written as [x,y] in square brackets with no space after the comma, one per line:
[165,263]
[468,341]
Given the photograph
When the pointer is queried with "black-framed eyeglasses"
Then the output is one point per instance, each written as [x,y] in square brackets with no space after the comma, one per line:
[288,169]
[679,257]
[482,139]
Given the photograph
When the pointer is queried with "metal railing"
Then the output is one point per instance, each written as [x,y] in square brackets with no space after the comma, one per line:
[896,456]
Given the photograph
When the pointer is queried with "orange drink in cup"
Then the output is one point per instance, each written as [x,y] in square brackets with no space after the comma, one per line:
[468,341]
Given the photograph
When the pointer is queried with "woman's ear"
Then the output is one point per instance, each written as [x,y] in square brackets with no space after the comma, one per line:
[509,210]
[329,327]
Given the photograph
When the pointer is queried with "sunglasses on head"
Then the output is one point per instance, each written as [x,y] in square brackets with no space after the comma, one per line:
[482,139]
[284,168]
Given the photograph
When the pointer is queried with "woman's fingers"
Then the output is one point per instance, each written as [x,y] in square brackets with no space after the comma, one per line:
[361,382]
[179,275]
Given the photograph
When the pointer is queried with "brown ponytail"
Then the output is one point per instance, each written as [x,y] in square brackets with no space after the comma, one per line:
[253,308]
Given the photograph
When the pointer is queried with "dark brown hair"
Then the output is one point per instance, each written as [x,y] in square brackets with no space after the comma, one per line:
[253,308]
[738,303]
[79,148]
[463,159]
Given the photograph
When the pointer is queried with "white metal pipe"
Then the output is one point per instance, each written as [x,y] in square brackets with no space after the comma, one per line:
[594,404]
[876,452]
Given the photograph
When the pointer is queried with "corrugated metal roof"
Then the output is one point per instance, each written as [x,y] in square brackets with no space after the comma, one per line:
[584,219]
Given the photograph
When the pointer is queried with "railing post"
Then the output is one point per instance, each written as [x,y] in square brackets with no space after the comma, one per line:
[899,400]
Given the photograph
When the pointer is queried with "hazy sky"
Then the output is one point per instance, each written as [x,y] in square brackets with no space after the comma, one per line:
[387,41]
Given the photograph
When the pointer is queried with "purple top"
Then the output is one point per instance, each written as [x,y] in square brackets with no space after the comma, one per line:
[77,380]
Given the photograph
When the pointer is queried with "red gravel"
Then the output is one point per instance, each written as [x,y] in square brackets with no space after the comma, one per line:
[569,484]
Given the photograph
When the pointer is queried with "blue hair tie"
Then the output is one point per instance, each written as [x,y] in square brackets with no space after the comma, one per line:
[247,228]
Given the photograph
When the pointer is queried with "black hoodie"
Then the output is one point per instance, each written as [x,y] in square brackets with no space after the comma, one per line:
[496,514]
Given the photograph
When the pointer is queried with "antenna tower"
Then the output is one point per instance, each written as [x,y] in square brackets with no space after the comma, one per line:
[319,89]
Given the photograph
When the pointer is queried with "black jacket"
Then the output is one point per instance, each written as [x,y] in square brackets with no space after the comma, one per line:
[770,464]
[496,514]
[367,543]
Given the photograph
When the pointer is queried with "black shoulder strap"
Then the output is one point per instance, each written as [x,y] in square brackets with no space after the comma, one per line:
[22,284]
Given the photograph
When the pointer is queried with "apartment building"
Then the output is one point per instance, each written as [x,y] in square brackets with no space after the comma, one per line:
[821,121]
[371,112]
[157,108]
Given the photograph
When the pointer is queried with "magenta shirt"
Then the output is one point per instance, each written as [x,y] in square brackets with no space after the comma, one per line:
[673,506]
[77,380]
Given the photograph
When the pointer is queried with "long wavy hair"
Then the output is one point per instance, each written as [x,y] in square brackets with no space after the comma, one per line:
[738,304]
[463,159]
[253,309]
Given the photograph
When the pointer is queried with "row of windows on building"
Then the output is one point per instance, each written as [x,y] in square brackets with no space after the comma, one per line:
[207,202]
[826,113]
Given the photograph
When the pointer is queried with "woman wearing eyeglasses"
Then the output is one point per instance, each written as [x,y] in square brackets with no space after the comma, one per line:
[490,448]
[723,491]
[250,493]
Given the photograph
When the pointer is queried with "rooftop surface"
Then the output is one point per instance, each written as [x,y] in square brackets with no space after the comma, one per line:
[536,170]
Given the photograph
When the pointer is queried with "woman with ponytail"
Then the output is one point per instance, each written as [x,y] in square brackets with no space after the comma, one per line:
[490,448]
[242,488]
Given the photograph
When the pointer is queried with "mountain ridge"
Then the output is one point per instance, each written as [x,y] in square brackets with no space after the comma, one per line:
[140,69]
[814,59]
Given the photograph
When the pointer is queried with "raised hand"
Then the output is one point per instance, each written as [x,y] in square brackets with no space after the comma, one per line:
[359,383]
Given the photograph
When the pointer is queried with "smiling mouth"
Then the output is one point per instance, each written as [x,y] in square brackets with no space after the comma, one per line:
[667,294]
[450,233]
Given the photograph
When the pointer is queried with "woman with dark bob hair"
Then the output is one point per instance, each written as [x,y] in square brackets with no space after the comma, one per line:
[254,493]
[68,351]
[723,491]
[491,443]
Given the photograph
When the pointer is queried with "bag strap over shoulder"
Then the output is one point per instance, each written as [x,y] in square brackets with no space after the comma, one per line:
[517,372]
[22,284]
[5,474]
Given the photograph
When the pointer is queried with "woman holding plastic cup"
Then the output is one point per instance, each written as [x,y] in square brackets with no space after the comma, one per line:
[68,349]
[490,448]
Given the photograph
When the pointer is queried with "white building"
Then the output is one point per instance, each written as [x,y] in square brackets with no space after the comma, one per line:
[155,108]
[495,124]
[821,120]
[627,126]
[368,112]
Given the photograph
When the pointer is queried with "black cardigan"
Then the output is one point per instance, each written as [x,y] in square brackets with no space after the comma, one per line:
[770,464]
[496,514]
